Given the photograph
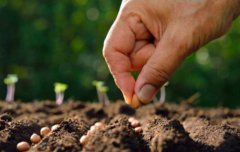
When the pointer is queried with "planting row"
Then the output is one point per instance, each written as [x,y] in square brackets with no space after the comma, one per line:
[60,88]
[76,126]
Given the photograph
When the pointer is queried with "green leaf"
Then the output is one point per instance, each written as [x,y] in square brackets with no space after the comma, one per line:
[11,79]
[100,86]
[97,83]
[60,87]
[103,89]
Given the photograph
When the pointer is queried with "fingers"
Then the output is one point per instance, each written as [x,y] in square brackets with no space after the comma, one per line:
[118,44]
[126,49]
[160,66]
[142,52]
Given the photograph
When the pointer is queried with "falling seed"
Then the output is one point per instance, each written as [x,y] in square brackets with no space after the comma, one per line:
[83,140]
[55,127]
[44,131]
[99,125]
[35,138]
[135,123]
[138,129]
[23,146]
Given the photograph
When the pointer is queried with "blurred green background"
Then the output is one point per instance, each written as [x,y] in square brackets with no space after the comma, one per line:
[48,41]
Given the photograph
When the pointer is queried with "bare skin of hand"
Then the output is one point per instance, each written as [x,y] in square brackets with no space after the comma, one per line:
[153,37]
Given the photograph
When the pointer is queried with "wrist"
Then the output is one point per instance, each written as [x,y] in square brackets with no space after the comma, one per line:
[232,7]
[236,8]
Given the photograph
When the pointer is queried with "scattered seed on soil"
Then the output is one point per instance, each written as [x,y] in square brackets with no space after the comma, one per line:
[44,131]
[138,129]
[92,129]
[35,138]
[23,146]
[163,128]
[84,139]
[130,119]
[135,123]
[99,125]
[55,127]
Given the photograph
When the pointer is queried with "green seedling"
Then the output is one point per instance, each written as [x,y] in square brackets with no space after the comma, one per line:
[10,81]
[59,89]
[102,92]
[162,94]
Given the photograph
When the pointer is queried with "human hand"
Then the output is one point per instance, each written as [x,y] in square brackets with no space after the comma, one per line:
[153,37]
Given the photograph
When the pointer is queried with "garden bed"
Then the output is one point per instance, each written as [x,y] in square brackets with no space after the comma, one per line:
[165,128]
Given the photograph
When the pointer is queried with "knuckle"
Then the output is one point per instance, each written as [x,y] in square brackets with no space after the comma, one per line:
[105,52]
[109,57]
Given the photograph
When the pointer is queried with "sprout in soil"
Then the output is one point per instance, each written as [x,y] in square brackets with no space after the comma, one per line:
[59,89]
[10,81]
[102,92]
[162,94]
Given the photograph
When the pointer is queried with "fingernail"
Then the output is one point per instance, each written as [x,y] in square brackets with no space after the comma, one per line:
[146,93]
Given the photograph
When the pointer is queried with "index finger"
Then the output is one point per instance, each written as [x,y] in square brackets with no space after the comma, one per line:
[118,44]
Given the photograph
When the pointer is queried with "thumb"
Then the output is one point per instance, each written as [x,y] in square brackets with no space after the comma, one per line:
[169,53]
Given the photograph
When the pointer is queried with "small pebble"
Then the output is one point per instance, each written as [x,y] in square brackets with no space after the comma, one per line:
[83,140]
[135,123]
[44,131]
[138,129]
[35,138]
[55,127]
[23,146]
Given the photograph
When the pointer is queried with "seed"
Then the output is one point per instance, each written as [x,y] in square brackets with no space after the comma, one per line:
[44,131]
[83,140]
[23,146]
[92,129]
[135,123]
[55,127]
[135,102]
[99,125]
[138,129]
[130,119]
[35,138]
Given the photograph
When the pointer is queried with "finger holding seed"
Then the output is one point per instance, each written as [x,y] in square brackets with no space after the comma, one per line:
[35,138]
[23,146]
[135,102]
[44,131]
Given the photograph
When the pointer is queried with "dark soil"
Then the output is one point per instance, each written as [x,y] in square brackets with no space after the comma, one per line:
[166,128]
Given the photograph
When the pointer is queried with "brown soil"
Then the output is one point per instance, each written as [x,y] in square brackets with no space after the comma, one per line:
[166,128]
